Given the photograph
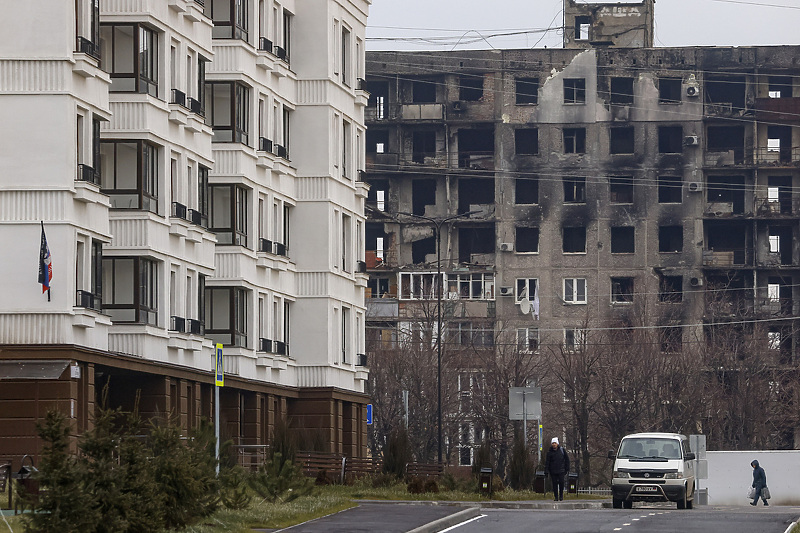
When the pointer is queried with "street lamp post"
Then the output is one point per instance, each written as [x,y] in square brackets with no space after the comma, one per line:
[437,233]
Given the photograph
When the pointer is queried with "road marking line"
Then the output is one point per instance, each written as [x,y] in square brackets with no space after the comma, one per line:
[635,519]
[617,529]
[462,523]
[627,524]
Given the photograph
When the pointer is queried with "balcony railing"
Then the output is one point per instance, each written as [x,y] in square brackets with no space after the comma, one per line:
[89,48]
[778,157]
[178,97]
[194,327]
[87,173]
[361,359]
[196,217]
[280,53]
[196,107]
[361,84]
[773,207]
[179,211]
[264,45]
[88,300]
[726,258]
[281,151]
[361,267]
[265,245]
[177,324]
[280,249]
[264,145]
[280,348]
[264,345]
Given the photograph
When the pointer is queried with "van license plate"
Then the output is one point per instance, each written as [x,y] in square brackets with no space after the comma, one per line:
[646,489]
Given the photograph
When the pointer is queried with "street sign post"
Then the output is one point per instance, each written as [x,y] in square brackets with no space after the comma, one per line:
[524,403]
[219,381]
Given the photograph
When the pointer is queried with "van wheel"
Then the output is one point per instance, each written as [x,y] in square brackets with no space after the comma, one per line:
[616,503]
[682,502]
[627,504]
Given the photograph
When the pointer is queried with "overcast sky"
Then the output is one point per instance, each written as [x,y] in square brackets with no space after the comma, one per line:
[463,24]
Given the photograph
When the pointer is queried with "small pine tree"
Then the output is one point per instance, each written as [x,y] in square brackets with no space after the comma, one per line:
[521,467]
[280,480]
[234,492]
[63,505]
[397,453]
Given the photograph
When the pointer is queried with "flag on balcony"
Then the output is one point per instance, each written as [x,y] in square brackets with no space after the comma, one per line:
[45,265]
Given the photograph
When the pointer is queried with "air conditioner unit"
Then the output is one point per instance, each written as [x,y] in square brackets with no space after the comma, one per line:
[691,140]
[458,105]
[696,282]
[695,186]
[693,90]
[506,291]
[506,247]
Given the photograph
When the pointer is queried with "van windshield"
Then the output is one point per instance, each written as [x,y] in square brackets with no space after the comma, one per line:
[650,449]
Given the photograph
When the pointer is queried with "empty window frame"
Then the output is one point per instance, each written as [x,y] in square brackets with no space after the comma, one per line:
[130,56]
[528,340]
[623,240]
[129,174]
[670,189]
[423,144]
[780,87]
[575,290]
[622,290]
[621,190]
[622,91]
[526,141]
[583,26]
[228,111]
[470,286]
[526,190]
[526,91]
[526,289]
[574,339]
[470,88]
[574,190]
[226,315]
[228,214]
[527,240]
[417,285]
[423,92]
[574,140]
[670,289]
[574,91]
[574,240]
[131,289]
[670,139]
[670,239]
[621,140]
[669,90]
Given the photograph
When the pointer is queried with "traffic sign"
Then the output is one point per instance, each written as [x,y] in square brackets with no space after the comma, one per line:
[369,414]
[219,368]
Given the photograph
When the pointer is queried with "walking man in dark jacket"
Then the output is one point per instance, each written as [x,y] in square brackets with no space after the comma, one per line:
[556,463]
[759,482]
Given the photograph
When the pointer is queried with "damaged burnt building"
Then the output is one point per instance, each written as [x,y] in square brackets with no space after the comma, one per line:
[586,184]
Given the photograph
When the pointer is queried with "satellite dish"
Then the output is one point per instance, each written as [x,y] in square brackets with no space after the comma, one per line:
[525,306]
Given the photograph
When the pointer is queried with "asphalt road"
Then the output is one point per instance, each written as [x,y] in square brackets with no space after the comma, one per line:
[640,519]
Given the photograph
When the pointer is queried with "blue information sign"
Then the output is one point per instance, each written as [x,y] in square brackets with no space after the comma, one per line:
[219,369]
[369,414]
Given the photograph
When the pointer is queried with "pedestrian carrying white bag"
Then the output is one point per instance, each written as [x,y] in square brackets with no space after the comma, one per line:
[751,493]
[765,493]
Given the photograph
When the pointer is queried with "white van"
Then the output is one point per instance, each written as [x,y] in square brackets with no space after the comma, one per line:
[653,467]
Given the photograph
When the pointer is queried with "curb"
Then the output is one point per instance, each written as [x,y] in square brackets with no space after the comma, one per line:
[447,521]
[789,528]
[569,505]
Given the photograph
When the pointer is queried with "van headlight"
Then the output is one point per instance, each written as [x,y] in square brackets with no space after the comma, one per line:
[623,475]
[673,475]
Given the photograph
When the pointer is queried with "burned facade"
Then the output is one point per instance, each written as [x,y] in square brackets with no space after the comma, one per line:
[594,185]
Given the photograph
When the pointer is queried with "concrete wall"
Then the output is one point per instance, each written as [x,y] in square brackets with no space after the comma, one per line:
[730,476]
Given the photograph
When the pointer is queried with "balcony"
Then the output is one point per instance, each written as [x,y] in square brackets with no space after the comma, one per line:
[719,209]
[197,218]
[281,54]
[91,49]
[422,112]
[179,211]
[770,207]
[778,110]
[777,307]
[280,249]
[726,258]
[196,107]
[177,324]
[266,55]
[264,345]
[178,97]
[361,359]
[88,300]
[194,327]
[361,267]
[88,174]
[783,157]
[280,348]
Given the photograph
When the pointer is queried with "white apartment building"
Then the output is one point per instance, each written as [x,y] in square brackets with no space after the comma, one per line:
[195,166]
